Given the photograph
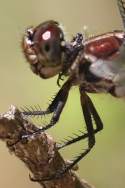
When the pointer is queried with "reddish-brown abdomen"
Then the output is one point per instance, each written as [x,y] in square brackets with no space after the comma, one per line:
[103,47]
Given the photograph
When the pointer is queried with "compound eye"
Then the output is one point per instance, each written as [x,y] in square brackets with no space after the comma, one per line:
[48,37]
[44,48]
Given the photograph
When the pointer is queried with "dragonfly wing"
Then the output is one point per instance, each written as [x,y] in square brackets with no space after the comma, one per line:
[121,6]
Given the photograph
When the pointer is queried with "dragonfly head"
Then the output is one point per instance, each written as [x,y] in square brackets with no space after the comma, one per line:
[43,47]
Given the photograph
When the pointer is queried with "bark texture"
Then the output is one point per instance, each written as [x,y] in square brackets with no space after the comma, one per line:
[38,152]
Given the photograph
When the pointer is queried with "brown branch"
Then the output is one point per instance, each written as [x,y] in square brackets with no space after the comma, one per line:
[38,152]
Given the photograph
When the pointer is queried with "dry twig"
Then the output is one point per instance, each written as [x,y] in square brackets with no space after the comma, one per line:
[38,152]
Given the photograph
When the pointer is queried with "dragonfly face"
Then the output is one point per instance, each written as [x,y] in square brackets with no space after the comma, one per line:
[43,48]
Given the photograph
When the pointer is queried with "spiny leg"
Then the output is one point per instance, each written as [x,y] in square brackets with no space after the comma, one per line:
[91,139]
[87,117]
[60,96]
[55,107]
[121,6]
[90,131]
[88,111]
[98,123]
[58,104]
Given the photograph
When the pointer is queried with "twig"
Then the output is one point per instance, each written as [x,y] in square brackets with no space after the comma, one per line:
[38,152]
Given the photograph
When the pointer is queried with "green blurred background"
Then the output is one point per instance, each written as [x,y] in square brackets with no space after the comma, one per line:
[105,166]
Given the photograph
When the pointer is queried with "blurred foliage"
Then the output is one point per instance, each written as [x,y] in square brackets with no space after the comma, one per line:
[103,167]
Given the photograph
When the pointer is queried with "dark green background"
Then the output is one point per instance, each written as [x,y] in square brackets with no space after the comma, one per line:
[104,167]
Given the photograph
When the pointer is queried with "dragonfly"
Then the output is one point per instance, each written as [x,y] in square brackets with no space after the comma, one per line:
[94,64]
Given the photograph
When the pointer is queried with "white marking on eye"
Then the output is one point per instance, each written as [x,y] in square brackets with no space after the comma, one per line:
[46,35]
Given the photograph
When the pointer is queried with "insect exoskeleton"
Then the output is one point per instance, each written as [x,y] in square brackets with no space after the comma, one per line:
[43,47]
